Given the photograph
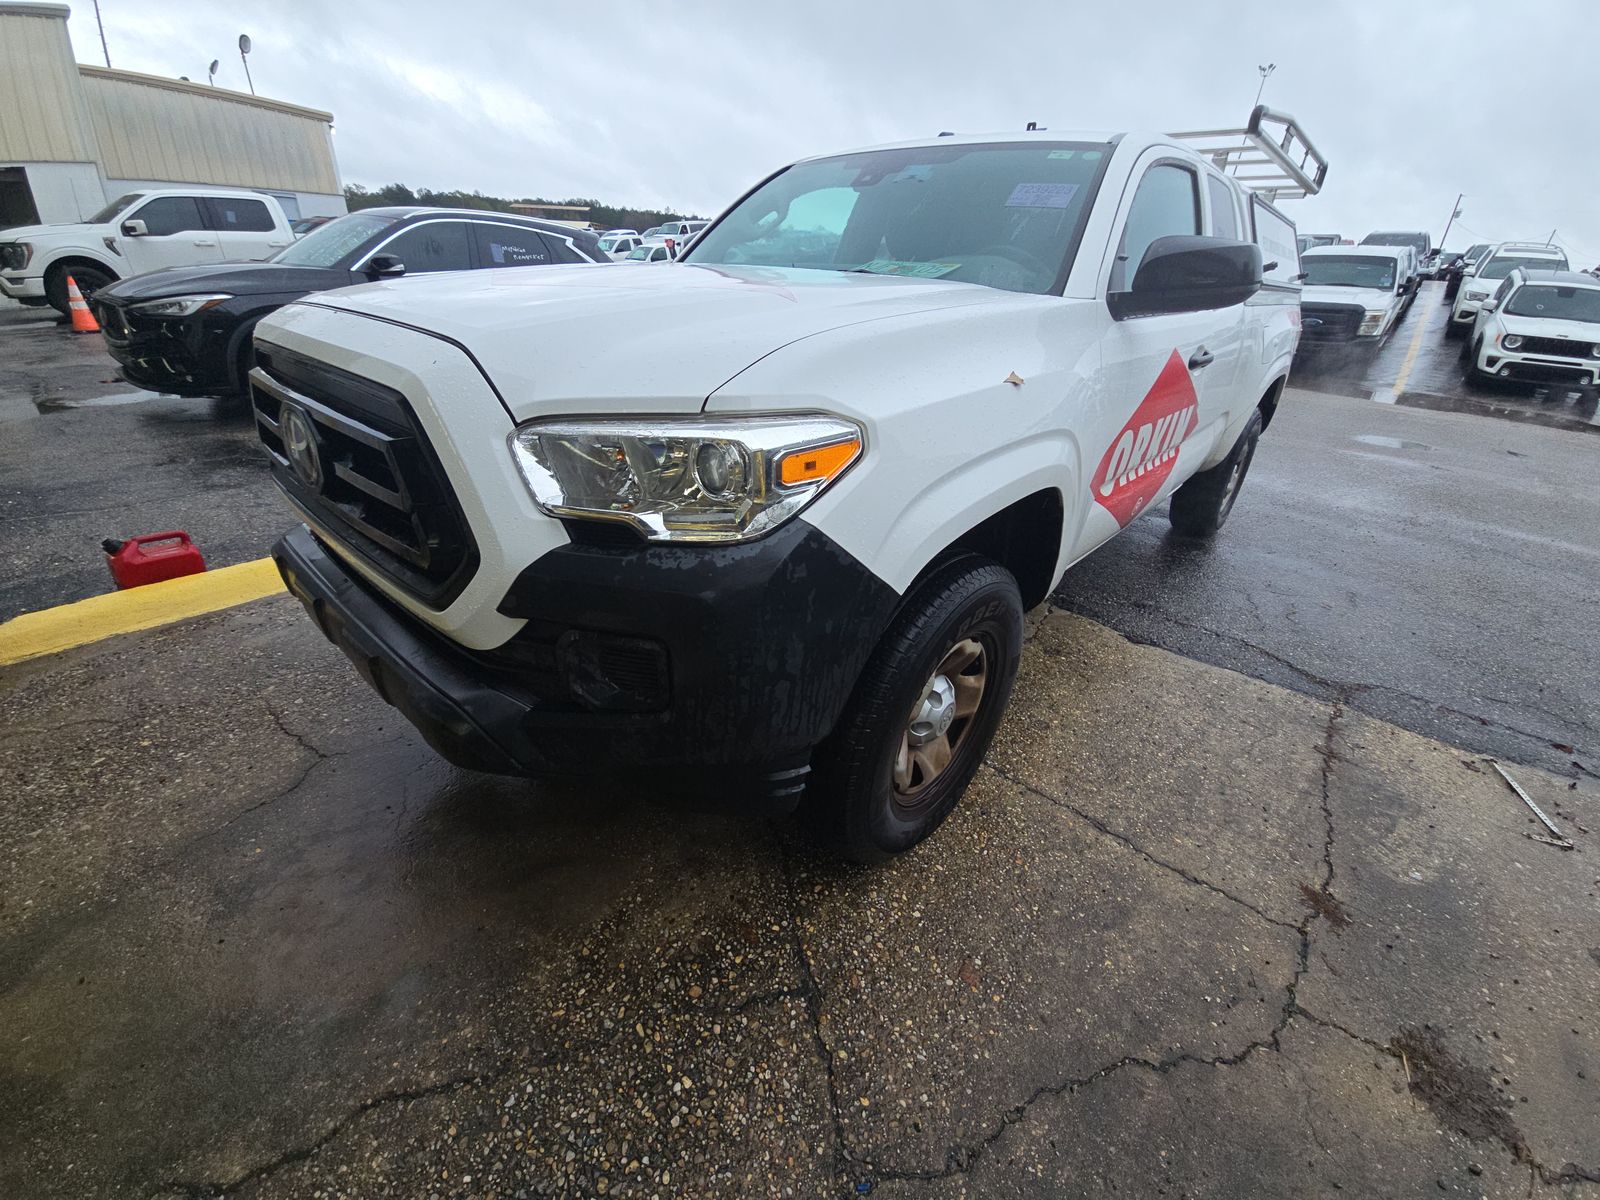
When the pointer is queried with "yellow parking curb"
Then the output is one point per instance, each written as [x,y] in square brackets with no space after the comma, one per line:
[55,629]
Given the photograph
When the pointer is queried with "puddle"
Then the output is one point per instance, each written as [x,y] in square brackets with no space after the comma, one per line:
[1389,443]
[107,401]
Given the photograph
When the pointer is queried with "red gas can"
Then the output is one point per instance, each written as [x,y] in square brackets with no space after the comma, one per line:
[152,557]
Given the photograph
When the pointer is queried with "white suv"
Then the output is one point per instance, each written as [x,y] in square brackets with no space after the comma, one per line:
[142,231]
[1495,265]
[1541,327]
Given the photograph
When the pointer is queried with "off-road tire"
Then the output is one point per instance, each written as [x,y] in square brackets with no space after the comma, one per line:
[1202,504]
[853,803]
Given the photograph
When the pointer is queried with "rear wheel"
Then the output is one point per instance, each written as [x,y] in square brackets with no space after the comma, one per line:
[1201,505]
[89,280]
[923,713]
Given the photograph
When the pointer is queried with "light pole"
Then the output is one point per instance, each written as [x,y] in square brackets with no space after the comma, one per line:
[244,57]
[1266,70]
[1455,211]
[103,48]
[213,76]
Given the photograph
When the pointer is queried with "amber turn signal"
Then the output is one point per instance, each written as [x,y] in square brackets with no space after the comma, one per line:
[818,464]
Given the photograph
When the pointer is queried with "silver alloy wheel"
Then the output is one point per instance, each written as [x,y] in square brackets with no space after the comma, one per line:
[1230,491]
[940,719]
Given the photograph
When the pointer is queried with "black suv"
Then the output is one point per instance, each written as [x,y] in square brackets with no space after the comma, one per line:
[187,330]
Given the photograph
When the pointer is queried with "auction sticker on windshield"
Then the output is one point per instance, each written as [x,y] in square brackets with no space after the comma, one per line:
[1042,195]
[917,270]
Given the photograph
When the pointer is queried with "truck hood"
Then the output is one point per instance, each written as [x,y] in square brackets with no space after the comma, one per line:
[1374,298]
[236,278]
[604,338]
[67,231]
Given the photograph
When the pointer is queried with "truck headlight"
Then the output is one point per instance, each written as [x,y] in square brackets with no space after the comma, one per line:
[1511,340]
[1477,295]
[700,479]
[1371,322]
[179,306]
[14,256]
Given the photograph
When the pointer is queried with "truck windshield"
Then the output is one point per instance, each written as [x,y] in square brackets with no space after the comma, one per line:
[109,213]
[1001,215]
[327,244]
[1557,303]
[1501,266]
[1348,270]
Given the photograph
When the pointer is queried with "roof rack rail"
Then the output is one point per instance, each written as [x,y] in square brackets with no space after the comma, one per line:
[1282,162]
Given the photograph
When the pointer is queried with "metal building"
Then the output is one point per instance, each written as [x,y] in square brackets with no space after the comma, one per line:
[73,137]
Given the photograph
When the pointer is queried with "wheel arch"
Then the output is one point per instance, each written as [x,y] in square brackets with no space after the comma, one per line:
[1269,401]
[79,258]
[1024,537]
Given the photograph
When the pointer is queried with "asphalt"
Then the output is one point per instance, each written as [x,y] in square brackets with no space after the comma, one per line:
[1433,568]
[1188,934]
[85,457]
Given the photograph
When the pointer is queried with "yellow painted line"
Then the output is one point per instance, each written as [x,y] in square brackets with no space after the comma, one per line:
[1411,354]
[55,629]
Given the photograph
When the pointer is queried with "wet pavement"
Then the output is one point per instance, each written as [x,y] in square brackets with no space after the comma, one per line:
[85,457]
[1188,933]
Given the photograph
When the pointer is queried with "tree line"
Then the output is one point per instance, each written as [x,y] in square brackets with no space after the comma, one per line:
[602,215]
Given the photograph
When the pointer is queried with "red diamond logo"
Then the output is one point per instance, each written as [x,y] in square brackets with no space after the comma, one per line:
[1143,454]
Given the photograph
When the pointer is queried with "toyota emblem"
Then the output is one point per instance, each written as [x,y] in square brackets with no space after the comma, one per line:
[300,445]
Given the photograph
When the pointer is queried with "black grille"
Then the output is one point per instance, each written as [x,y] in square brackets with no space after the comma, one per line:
[1329,322]
[381,492]
[1563,347]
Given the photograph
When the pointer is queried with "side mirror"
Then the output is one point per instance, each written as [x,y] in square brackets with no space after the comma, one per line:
[134,228]
[1489,306]
[385,266]
[1190,274]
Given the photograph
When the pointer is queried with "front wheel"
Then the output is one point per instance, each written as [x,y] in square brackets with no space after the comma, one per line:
[1202,504]
[89,280]
[922,714]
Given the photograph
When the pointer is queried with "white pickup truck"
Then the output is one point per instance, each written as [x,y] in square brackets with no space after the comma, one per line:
[142,231]
[780,534]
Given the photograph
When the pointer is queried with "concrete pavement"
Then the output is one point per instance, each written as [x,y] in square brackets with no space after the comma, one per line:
[1189,932]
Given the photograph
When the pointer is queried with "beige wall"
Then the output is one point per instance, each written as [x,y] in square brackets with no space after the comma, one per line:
[42,115]
[149,128]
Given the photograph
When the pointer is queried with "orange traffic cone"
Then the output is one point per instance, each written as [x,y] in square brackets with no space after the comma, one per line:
[82,319]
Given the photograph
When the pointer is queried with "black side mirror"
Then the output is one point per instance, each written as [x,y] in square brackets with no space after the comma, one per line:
[385,266]
[1190,274]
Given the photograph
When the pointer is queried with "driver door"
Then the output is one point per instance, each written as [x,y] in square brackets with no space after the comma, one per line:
[1167,378]
[176,235]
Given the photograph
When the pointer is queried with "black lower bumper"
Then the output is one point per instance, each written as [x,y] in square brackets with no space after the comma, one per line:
[718,667]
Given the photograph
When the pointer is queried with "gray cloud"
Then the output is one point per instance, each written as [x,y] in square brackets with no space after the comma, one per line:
[685,105]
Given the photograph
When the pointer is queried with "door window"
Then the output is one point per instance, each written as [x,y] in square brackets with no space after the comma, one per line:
[1167,204]
[432,246]
[230,215]
[167,215]
[1224,213]
[509,246]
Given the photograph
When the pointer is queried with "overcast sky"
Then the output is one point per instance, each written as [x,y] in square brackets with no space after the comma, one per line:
[684,105]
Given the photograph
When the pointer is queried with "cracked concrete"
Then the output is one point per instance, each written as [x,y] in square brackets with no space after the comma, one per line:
[1172,940]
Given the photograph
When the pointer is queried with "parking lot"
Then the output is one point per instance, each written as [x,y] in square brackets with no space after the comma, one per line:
[1235,906]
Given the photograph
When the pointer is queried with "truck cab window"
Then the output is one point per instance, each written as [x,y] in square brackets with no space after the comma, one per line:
[1167,204]
[1224,213]
[166,215]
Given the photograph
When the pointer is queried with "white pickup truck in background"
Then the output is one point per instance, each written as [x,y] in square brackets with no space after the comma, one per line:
[769,517]
[141,231]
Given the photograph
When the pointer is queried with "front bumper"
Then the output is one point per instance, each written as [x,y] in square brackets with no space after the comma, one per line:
[721,665]
[1535,368]
[22,287]
[189,356]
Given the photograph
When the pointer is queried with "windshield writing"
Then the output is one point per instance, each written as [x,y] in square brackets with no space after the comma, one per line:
[327,244]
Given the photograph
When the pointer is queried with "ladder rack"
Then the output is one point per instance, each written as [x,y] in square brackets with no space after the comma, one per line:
[1281,162]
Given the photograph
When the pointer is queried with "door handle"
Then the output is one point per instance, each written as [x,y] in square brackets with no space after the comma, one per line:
[1200,358]
[199,243]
